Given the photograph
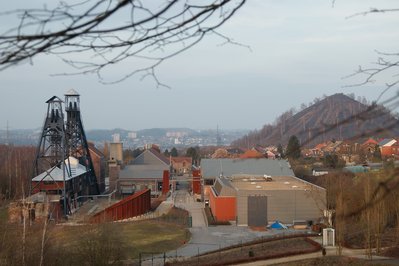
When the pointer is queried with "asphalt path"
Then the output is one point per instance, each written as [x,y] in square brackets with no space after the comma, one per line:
[183,200]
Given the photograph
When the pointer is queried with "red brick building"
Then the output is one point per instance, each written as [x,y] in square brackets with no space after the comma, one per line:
[181,165]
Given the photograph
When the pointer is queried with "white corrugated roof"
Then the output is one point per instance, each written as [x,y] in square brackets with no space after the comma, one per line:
[56,173]
[71,92]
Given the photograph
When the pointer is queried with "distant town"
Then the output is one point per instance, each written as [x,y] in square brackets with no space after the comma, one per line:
[166,138]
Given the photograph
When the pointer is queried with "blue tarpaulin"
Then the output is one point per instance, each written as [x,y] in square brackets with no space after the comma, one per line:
[277,225]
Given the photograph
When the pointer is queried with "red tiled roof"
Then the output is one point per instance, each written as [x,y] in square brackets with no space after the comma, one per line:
[370,141]
[251,154]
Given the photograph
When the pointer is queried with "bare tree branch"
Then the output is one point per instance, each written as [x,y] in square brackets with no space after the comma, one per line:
[373,10]
[102,33]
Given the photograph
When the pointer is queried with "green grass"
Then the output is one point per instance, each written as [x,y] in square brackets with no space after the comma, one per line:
[153,237]
[132,237]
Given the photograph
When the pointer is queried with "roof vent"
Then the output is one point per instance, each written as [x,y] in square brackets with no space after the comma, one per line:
[268,178]
[258,187]
[253,183]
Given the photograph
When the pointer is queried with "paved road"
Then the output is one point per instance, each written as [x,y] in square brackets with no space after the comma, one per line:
[204,238]
[184,200]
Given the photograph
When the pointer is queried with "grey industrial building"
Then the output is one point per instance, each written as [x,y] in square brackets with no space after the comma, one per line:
[256,192]
[146,171]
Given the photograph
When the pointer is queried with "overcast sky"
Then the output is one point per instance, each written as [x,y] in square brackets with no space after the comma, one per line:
[299,50]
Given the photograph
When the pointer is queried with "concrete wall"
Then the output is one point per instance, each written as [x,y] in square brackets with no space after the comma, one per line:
[284,205]
[289,205]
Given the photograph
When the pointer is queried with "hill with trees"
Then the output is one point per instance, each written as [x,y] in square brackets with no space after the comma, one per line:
[338,116]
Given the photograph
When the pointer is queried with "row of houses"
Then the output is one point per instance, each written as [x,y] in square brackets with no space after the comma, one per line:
[388,147]
[256,152]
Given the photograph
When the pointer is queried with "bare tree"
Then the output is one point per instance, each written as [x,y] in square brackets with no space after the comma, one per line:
[386,65]
[368,220]
[110,32]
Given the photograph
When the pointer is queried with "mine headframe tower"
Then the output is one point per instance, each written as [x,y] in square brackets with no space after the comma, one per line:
[76,138]
[51,152]
[51,149]
[63,165]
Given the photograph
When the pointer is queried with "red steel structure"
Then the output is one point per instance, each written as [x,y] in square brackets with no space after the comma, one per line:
[134,205]
[196,184]
[165,182]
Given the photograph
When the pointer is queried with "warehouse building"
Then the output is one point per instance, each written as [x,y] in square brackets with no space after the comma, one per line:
[253,199]
[149,170]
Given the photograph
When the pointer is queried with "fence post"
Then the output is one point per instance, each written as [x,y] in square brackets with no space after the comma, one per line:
[164,258]
[139,258]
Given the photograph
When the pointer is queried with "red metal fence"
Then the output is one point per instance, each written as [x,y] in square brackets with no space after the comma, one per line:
[134,205]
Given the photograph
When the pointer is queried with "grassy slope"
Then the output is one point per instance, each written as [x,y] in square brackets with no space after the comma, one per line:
[133,237]
[151,236]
